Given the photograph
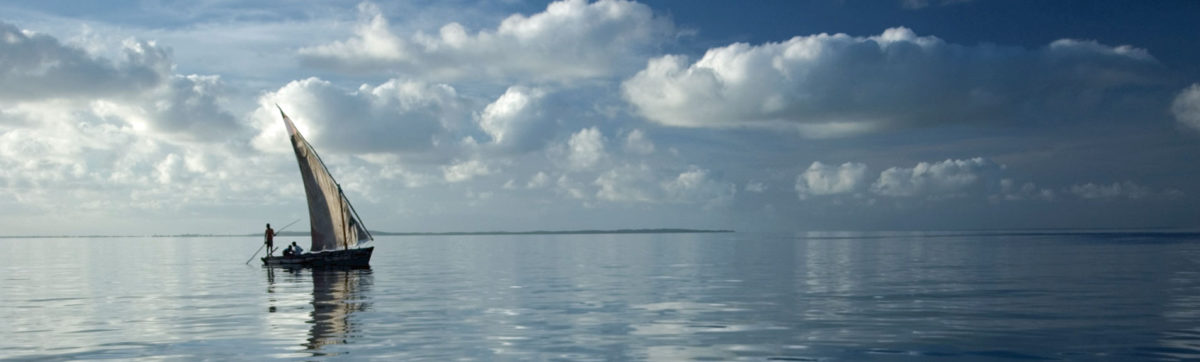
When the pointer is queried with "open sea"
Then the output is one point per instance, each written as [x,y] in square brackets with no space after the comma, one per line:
[662,297]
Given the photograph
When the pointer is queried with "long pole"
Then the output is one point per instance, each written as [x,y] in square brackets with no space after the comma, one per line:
[286,226]
[264,244]
[260,248]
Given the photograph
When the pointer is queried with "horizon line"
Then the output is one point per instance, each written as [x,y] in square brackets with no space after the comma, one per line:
[393,233]
[828,233]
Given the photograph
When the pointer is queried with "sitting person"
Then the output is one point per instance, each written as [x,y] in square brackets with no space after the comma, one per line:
[288,251]
[296,249]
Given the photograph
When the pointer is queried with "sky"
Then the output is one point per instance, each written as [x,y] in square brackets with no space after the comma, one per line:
[158,117]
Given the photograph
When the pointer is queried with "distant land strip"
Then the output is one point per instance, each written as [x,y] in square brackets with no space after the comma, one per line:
[560,232]
[389,233]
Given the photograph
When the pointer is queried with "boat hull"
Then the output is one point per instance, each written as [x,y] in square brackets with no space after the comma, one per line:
[354,258]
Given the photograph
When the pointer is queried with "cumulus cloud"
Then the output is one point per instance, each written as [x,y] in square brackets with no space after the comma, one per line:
[72,165]
[184,107]
[538,180]
[466,170]
[390,166]
[46,156]
[95,137]
[373,43]
[822,179]
[834,85]
[696,185]
[585,149]
[1186,106]
[46,68]
[139,89]
[192,105]
[949,178]
[628,183]
[394,116]
[571,188]
[515,119]
[642,184]
[973,178]
[110,131]
[86,137]
[571,39]
[638,143]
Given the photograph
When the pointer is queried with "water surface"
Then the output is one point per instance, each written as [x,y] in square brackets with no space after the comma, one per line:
[732,296]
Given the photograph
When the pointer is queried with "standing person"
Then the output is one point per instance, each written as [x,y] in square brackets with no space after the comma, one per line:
[270,239]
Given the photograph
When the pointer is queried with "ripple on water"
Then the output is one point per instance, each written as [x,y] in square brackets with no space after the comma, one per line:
[658,297]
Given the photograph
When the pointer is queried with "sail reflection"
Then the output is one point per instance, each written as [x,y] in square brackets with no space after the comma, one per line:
[336,295]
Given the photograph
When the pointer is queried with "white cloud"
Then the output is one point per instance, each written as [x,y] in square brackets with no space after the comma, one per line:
[515,118]
[192,105]
[114,129]
[74,166]
[822,179]
[538,180]
[835,85]
[966,178]
[697,186]
[103,140]
[465,170]
[140,89]
[373,42]
[571,188]
[47,156]
[394,116]
[167,168]
[571,39]
[949,178]
[585,149]
[637,142]
[1186,106]
[628,183]
[45,68]
[390,166]
[185,108]
[642,184]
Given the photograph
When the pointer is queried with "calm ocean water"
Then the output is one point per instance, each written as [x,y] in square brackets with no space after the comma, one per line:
[739,296]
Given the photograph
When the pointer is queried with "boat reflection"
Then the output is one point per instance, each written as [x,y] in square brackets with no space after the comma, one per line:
[336,295]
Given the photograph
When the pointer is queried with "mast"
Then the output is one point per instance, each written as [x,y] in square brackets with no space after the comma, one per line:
[358,221]
[345,226]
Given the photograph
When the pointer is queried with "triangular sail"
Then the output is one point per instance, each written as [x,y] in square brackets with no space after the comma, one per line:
[335,225]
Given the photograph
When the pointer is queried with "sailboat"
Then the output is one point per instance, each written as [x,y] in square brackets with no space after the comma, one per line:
[338,233]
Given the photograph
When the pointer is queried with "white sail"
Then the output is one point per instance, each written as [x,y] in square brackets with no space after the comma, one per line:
[335,225]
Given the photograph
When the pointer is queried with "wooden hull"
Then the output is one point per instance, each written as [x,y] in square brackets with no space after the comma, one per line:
[353,258]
